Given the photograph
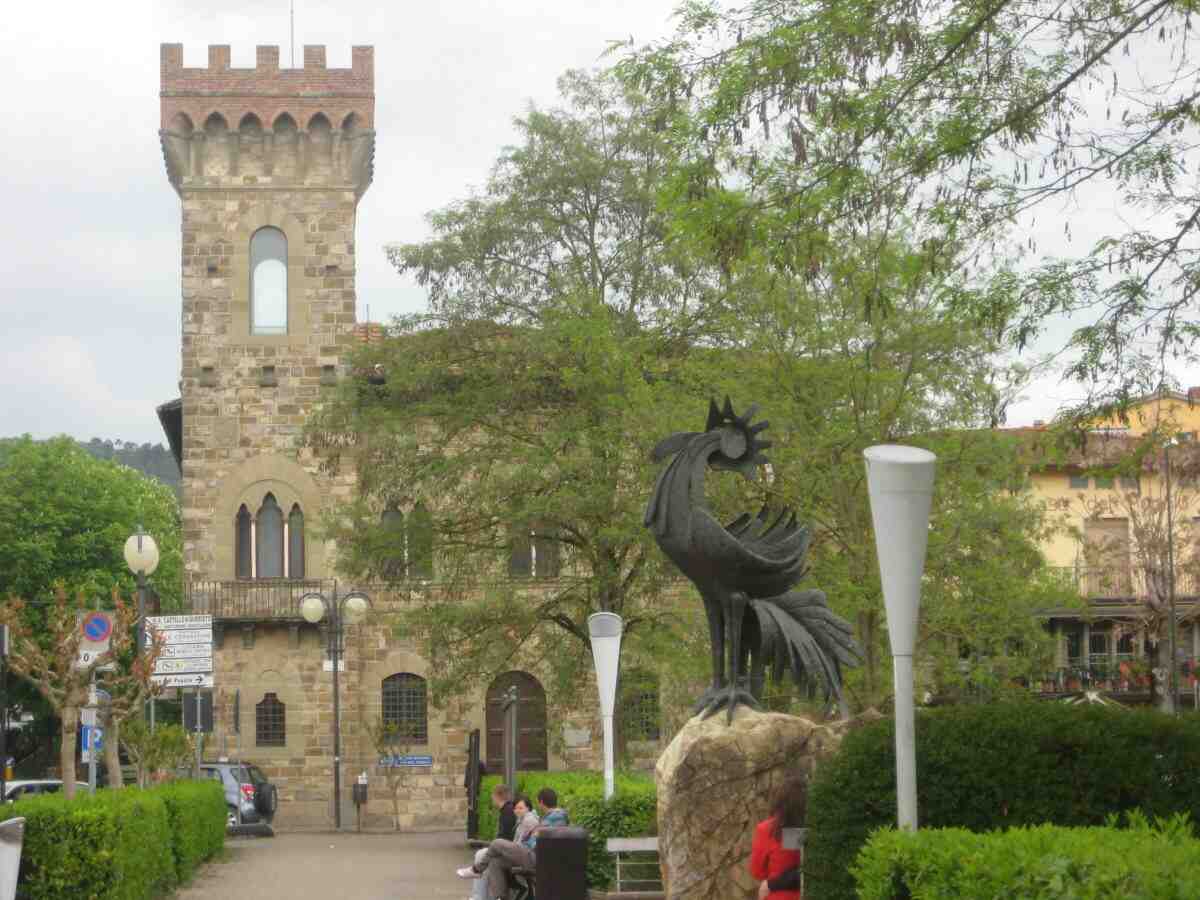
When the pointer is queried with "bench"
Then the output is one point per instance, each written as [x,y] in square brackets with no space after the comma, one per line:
[629,886]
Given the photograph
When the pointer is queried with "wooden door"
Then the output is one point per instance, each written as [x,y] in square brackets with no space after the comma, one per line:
[531,723]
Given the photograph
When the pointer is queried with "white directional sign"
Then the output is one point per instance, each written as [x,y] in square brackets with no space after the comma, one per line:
[186,658]
[176,666]
[192,681]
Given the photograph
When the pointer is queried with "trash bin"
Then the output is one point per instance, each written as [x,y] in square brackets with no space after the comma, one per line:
[12,834]
[561,863]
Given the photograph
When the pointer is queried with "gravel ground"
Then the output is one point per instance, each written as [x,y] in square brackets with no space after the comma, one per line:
[335,867]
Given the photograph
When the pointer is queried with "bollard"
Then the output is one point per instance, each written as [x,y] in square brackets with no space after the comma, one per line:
[561,863]
[12,834]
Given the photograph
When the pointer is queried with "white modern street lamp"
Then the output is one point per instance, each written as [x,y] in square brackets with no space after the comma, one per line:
[141,555]
[350,610]
[900,484]
[604,628]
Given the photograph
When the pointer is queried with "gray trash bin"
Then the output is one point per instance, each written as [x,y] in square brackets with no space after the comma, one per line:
[561,863]
[12,834]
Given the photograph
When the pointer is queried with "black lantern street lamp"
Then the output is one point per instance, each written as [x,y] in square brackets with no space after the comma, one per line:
[350,609]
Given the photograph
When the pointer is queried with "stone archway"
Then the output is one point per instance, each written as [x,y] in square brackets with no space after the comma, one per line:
[531,723]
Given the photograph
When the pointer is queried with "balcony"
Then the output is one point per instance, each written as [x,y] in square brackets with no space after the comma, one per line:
[251,601]
[1127,678]
[1125,583]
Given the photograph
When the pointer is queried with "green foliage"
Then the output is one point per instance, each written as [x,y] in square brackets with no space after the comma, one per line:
[154,460]
[558,349]
[801,125]
[632,811]
[118,845]
[166,747]
[197,814]
[65,517]
[985,767]
[1044,862]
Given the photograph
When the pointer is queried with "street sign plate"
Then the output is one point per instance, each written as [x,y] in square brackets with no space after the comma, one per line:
[170,638]
[185,651]
[397,760]
[87,715]
[95,637]
[91,740]
[183,680]
[165,623]
[178,666]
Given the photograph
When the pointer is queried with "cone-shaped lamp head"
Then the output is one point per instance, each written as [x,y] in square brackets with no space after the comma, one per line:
[605,631]
[900,484]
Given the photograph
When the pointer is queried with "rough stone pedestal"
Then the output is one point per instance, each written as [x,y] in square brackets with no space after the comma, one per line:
[715,783]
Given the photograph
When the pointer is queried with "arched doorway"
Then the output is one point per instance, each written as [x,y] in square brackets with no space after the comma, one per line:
[531,723]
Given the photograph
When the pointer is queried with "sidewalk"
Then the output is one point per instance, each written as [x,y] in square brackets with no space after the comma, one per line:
[336,867]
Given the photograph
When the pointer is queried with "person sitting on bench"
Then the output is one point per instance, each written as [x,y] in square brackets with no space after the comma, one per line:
[524,820]
[504,856]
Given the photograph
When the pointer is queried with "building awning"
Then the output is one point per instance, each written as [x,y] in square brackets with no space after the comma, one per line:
[170,416]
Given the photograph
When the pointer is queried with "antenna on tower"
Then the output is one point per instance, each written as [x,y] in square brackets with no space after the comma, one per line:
[292,20]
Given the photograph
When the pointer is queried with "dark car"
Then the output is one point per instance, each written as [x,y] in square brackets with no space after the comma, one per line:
[251,798]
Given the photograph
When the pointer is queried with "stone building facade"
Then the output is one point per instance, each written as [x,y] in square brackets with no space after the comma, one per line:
[269,165]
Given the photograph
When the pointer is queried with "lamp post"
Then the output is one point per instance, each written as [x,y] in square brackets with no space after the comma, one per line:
[900,484]
[349,610]
[141,555]
[604,628]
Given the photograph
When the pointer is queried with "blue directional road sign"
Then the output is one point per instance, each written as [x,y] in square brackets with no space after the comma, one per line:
[92,740]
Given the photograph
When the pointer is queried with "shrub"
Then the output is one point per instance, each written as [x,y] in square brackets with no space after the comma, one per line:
[118,845]
[196,810]
[1000,766]
[632,811]
[1041,862]
[115,845]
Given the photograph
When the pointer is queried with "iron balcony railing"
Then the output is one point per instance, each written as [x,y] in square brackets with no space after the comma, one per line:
[1115,676]
[268,598]
[1126,582]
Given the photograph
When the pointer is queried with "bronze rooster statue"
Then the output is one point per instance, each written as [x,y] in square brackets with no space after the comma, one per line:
[744,570]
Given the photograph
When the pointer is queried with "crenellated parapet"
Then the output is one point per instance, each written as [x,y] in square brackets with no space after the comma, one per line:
[225,127]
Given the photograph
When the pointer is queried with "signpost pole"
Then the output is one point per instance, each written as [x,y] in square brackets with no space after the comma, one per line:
[335,634]
[89,736]
[199,733]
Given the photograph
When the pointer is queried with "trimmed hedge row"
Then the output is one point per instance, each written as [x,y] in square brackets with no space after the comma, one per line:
[1043,862]
[632,811]
[118,845]
[1000,766]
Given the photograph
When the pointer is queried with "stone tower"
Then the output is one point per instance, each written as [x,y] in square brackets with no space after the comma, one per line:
[269,164]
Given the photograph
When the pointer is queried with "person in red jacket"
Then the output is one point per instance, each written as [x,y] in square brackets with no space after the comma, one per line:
[778,869]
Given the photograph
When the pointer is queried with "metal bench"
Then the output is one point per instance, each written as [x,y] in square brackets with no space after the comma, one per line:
[638,874]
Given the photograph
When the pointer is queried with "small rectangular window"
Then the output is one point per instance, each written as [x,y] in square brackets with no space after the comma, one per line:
[1079,482]
[267,377]
[1131,485]
[1104,483]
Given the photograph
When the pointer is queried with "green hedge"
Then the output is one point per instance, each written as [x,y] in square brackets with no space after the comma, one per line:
[632,812]
[116,845]
[1042,862]
[1000,766]
[197,813]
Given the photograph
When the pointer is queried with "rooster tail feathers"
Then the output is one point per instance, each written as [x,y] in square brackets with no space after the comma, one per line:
[799,632]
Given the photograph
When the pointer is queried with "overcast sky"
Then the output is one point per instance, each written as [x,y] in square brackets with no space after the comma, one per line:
[90,235]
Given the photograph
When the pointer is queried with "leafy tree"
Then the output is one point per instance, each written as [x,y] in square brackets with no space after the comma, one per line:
[65,517]
[929,372]
[799,121]
[519,412]
[165,748]
[49,658]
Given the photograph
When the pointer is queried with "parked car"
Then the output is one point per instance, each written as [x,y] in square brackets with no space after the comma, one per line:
[250,796]
[17,788]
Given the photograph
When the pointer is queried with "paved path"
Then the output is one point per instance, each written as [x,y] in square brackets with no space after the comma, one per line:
[336,867]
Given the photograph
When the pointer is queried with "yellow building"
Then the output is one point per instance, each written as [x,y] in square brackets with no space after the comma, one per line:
[1124,546]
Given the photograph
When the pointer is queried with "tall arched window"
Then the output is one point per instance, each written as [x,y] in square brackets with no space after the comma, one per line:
[244,565]
[405,708]
[270,722]
[269,539]
[268,282]
[392,565]
[420,543]
[295,565]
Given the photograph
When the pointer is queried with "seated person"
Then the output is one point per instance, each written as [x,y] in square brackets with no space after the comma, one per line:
[504,856]
[525,821]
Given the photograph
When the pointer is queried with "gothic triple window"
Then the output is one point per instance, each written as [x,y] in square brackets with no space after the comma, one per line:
[269,544]
[407,549]
[268,282]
